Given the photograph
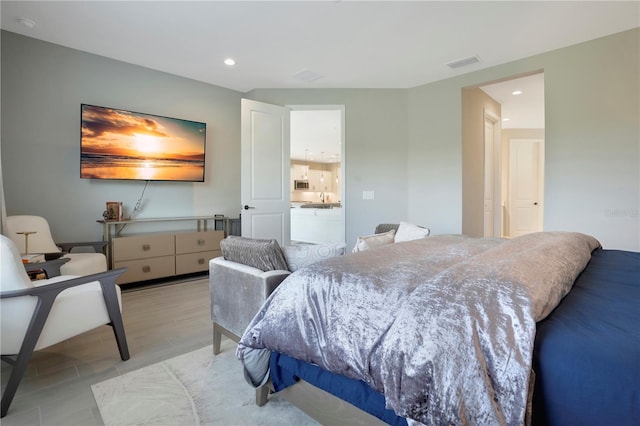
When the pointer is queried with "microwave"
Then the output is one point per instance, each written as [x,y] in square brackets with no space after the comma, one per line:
[301,184]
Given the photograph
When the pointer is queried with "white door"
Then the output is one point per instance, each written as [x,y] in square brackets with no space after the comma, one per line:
[526,186]
[265,171]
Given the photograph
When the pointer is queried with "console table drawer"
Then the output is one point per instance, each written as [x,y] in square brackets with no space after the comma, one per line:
[146,269]
[142,247]
[192,242]
[194,262]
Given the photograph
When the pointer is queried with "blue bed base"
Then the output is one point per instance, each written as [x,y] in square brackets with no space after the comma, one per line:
[586,356]
[587,352]
[285,371]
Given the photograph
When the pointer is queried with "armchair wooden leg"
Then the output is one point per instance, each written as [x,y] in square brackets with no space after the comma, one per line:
[17,372]
[121,340]
[113,308]
[40,314]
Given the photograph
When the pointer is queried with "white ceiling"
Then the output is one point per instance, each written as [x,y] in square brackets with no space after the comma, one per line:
[524,110]
[349,44]
[316,135]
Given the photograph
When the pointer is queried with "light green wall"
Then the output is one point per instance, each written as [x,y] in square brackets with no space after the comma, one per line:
[43,85]
[375,150]
[592,141]
[403,144]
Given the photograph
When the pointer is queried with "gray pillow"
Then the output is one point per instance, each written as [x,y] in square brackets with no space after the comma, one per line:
[301,255]
[386,227]
[265,255]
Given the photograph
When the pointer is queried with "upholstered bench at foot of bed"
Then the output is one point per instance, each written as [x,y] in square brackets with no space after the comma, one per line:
[238,288]
[237,292]
[249,271]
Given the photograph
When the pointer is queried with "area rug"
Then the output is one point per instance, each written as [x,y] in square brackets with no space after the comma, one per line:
[192,389]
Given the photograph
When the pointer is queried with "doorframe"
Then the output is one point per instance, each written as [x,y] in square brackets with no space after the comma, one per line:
[343,158]
[496,170]
[473,159]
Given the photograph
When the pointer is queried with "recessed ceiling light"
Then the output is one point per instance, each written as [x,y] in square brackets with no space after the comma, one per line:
[229,62]
[26,22]
[516,92]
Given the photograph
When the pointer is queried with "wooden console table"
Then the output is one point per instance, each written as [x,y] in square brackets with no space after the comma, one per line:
[163,253]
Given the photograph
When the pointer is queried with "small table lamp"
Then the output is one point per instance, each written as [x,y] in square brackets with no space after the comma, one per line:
[26,239]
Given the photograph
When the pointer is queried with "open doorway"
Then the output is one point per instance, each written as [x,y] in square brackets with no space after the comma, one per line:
[503,157]
[317,171]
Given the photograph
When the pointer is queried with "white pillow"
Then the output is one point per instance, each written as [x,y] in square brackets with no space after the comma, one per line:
[371,241]
[409,232]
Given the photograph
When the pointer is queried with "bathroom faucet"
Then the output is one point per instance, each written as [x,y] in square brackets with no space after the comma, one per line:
[322,197]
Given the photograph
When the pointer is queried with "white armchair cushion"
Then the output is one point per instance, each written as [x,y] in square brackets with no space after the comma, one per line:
[14,316]
[76,310]
[84,264]
[13,276]
[39,242]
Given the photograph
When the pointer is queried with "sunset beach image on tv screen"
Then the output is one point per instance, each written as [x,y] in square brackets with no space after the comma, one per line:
[119,144]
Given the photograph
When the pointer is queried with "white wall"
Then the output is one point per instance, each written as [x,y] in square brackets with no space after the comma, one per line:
[592,158]
[43,85]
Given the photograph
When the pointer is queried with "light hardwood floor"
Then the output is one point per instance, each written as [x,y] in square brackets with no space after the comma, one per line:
[160,322]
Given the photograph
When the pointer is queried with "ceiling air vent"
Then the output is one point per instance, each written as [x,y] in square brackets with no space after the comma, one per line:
[463,62]
[307,76]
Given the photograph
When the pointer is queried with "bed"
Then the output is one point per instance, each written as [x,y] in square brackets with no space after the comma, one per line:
[442,331]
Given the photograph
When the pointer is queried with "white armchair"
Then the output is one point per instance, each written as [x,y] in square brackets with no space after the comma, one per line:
[38,314]
[40,240]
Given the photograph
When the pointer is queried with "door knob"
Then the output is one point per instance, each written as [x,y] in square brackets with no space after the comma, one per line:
[246,207]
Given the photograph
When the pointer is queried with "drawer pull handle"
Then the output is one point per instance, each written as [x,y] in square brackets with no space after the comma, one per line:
[146,247]
[200,242]
[146,268]
[201,261]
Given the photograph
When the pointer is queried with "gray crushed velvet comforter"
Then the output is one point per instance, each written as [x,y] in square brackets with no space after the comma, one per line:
[443,327]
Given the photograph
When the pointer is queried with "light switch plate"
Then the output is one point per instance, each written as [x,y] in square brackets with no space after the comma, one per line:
[368,195]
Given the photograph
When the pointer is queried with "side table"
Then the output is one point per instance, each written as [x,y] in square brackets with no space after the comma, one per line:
[50,267]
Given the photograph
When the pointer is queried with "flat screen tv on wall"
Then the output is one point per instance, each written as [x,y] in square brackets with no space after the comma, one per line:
[119,144]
